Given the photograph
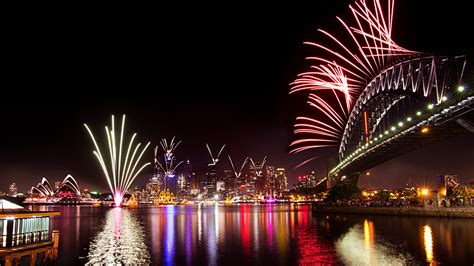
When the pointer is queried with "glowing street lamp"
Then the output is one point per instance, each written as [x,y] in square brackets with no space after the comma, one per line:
[425,130]
[424,191]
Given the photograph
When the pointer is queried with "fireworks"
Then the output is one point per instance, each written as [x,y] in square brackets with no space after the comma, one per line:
[168,149]
[239,173]
[168,167]
[119,176]
[345,73]
[258,170]
[214,159]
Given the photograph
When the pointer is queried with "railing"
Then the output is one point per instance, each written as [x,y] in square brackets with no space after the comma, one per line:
[25,238]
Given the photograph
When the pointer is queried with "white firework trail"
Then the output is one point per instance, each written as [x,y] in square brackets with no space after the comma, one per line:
[119,176]
[238,173]
[215,160]
[260,168]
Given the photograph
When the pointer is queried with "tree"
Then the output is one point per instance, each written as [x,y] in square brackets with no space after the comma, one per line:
[343,191]
[463,192]
[382,196]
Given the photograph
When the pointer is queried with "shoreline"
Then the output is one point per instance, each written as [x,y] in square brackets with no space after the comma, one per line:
[450,212]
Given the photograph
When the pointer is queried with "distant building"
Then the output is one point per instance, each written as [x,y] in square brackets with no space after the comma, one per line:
[183,185]
[13,190]
[446,183]
[271,181]
[220,187]
[256,181]
[230,183]
[282,185]
[312,180]
[211,179]
[152,189]
[139,194]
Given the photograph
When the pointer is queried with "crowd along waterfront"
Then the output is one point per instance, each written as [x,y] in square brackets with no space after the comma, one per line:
[248,234]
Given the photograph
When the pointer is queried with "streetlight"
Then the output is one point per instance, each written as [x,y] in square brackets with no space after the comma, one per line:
[424,191]
[425,130]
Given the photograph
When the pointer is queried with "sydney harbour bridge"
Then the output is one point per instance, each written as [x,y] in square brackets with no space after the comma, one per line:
[376,100]
[409,105]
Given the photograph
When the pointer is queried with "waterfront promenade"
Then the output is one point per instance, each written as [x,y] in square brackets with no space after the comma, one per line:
[458,212]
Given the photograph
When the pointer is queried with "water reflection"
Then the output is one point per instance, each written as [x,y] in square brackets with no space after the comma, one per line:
[257,235]
[428,243]
[376,251]
[368,234]
[121,241]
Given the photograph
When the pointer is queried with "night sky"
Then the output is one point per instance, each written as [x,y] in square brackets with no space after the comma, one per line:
[205,73]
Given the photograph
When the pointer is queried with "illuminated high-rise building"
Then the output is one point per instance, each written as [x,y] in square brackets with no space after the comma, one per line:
[271,181]
[152,189]
[230,183]
[211,179]
[254,185]
[282,181]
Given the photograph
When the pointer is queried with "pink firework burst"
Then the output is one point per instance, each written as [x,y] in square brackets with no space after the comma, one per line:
[118,197]
[345,72]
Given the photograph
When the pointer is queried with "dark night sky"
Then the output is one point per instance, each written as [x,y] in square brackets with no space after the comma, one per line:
[205,73]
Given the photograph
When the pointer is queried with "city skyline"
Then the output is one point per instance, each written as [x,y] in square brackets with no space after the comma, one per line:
[255,106]
[232,133]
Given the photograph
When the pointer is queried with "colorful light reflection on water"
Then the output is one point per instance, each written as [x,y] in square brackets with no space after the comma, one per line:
[428,243]
[121,241]
[263,235]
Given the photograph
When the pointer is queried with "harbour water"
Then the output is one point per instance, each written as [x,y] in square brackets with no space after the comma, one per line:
[255,234]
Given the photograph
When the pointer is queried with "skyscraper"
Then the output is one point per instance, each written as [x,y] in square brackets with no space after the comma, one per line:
[152,189]
[211,179]
[271,181]
[254,185]
[282,181]
[230,183]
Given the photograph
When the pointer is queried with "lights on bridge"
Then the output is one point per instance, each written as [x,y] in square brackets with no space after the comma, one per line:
[374,142]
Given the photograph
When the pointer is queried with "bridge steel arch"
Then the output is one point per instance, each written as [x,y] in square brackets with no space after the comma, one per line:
[389,113]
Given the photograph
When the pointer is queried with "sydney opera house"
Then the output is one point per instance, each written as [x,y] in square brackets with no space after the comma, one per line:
[67,191]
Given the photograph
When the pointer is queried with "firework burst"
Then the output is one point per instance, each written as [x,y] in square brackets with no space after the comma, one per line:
[169,166]
[259,169]
[121,171]
[239,172]
[345,72]
[214,160]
